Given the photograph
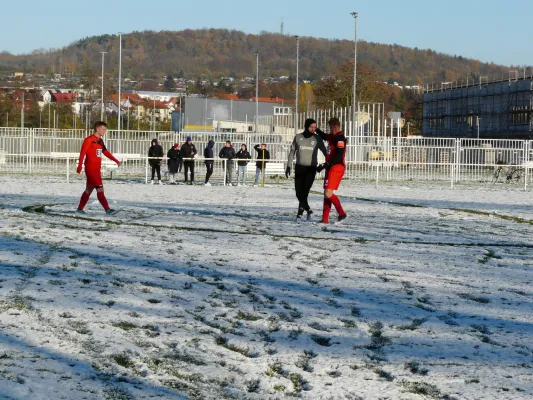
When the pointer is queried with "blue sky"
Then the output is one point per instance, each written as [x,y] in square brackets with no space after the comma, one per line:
[487,30]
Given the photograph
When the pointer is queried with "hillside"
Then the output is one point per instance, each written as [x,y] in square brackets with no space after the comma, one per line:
[220,52]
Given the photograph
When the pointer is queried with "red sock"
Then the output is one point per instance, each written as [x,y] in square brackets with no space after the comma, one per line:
[337,203]
[102,200]
[83,201]
[326,210]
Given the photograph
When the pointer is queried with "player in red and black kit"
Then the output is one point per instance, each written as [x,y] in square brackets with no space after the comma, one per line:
[91,155]
[335,166]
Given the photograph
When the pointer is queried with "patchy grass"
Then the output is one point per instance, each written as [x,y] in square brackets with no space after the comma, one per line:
[471,297]
[491,254]
[247,316]
[321,340]
[125,325]
[414,368]
[415,324]
[123,359]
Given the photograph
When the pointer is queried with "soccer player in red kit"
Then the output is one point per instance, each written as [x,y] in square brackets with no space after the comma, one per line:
[91,155]
[335,166]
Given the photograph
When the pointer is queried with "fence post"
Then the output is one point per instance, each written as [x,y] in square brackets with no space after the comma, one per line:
[68,169]
[225,170]
[525,161]
[146,172]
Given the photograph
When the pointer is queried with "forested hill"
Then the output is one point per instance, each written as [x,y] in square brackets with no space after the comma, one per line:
[221,52]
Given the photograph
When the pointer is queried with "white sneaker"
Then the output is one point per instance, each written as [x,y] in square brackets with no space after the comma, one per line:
[160,182]
[151,182]
[207,184]
[239,185]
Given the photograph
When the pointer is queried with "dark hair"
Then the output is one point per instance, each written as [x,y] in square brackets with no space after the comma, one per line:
[98,124]
[334,122]
[227,141]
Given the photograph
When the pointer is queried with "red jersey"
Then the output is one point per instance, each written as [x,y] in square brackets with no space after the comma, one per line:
[337,149]
[92,151]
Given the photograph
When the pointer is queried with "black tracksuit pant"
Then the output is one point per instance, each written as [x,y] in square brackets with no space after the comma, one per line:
[304,177]
[186,167]
[209,167]
[156,168]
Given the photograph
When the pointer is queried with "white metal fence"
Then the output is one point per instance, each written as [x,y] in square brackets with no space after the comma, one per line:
[378,158]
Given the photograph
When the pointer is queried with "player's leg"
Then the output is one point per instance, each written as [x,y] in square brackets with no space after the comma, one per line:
[299,188]
[84,199]
[101,197]
[309,180]
[335,176]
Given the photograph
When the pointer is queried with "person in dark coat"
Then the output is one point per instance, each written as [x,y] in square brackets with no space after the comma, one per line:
[228,153]
[173,159]
[188,152]
[262,156]
[243,156]
[208,154]
[155,154]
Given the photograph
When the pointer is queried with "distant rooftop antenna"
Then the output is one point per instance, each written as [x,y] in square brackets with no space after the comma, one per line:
[282,26]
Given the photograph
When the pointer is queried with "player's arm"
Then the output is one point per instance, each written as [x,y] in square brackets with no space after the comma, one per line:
[340,148]
[321,134]
[291,158]
[83,152]
[322,146]
[108,154]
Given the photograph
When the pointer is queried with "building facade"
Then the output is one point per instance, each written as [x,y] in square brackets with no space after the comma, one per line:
[488,110]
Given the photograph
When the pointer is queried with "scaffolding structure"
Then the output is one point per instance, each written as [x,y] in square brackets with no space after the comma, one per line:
[498,109]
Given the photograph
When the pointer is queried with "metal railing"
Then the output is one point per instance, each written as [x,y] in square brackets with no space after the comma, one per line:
[376,158]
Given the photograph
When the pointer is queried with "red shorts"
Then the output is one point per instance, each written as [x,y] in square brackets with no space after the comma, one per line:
[94,178]
[334,177]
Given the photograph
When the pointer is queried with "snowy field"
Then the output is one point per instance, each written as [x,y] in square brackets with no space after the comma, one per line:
[215,293]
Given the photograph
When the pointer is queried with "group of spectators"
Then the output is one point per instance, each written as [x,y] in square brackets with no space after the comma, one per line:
[182,157]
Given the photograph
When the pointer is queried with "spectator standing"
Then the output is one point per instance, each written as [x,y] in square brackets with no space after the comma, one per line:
[262,156]
[188,152]
[173,155]
[208,155]
[243,155]
[228,153]
[155,154]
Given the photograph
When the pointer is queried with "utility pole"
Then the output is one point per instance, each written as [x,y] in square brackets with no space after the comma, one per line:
[297,81]
[256,90]
[22,112]
[119,89]
[102,105]
[354,101]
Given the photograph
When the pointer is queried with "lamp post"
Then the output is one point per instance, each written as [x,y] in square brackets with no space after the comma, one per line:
[297,81]
[355,15]
[102,105]
[119,89]
[256,89]
[153,115]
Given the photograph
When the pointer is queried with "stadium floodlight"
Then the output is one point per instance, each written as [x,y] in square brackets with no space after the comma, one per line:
[102,105]
[297,81]
[354,101]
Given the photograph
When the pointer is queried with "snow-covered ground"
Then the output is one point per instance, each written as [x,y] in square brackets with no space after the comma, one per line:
[213,293]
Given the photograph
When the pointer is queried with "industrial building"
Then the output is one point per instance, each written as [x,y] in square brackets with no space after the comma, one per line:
[204,114]
[499,109]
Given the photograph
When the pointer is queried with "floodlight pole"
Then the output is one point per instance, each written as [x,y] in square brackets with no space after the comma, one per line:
[355,15]
[297,81]
[102,105]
